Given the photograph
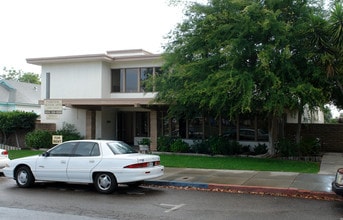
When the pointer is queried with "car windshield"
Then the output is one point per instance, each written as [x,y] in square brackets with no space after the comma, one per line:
[121,148]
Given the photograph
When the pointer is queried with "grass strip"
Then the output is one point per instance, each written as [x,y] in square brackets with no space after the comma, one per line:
[13,154]
[238,163]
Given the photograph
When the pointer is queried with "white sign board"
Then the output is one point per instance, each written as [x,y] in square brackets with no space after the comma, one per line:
[57,139]
[51,116]
[53,106]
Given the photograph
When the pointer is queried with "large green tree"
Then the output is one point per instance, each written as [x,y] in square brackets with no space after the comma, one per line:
[331,44]
[234,57]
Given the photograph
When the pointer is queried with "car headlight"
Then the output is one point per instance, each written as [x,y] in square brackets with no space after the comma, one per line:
[339,177]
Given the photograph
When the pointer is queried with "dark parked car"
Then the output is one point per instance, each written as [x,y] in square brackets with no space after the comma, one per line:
[247,134]
[337,185]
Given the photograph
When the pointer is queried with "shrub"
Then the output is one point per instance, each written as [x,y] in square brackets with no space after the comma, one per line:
[69,132]
[234,148]
[246,149]
[43,139]
[39,139]
[145,141]
[179,146]
[260,149]
[286,148]
[163,143]
[200,147]
[306,147]
[309,147]
[218,145]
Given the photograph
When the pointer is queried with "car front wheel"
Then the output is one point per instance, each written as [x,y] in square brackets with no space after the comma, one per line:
[105,183]
[24,177]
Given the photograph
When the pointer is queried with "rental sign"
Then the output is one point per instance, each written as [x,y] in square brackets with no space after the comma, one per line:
[53,106]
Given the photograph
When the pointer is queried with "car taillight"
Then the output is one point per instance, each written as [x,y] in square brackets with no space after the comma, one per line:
[5,152]
[339,177]
[143,165]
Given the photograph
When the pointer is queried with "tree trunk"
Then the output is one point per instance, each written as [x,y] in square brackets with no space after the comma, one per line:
[273,134]
[4,138]
[298,132]
[17,139]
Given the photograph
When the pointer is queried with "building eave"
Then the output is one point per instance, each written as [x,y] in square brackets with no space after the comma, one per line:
[110,57]
[133,102]
[66,59]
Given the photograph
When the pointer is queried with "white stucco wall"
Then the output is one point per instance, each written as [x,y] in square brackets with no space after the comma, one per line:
[74,80]
[76,117]
[108,125]
[137,64]
[105,80]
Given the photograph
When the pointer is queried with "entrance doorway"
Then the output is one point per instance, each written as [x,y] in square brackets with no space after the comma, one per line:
[133,125]
[125,131]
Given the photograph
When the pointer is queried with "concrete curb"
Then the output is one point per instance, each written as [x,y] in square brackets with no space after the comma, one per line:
[263,190]
[177,184]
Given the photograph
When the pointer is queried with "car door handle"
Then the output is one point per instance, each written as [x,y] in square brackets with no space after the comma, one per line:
[91,161]
[63,162]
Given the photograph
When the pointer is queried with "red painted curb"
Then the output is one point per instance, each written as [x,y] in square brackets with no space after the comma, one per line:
[275,191]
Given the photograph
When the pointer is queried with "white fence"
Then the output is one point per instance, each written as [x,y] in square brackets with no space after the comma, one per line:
[7,147]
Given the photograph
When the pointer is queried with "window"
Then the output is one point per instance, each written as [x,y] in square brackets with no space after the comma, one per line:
[120,148]
[116,80]
[145,74]
[85,149]
[131,79]
[142,124]
[63,150]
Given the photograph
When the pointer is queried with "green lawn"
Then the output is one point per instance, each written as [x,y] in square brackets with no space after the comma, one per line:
[206,162]
[239,163]
[13,154]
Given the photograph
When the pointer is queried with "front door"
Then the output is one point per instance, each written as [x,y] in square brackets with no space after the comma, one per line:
[125,127]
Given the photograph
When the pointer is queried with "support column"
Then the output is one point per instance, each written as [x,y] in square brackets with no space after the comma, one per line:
[153,130]
[90,125]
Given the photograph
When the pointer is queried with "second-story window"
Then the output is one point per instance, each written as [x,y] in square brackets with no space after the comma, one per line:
[131,79]
[145,74]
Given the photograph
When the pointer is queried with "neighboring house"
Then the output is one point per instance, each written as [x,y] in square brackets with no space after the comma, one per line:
[308,117]
[103,95]
[19,96]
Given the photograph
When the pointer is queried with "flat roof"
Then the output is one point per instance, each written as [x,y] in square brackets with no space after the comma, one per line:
[109,56]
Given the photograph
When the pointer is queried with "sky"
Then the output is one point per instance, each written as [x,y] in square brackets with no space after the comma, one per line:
[43,28]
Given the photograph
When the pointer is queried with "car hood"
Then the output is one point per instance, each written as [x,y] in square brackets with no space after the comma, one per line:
[29,158]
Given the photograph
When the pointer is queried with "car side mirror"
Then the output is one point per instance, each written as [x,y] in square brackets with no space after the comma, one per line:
[45,154]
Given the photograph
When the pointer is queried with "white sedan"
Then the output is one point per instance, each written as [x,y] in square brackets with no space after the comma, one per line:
[3,158]
[105,163]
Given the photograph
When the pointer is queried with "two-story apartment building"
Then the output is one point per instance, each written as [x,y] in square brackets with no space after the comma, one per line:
[103,95]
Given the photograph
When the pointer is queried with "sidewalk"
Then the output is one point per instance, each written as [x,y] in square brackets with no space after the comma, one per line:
[288,183]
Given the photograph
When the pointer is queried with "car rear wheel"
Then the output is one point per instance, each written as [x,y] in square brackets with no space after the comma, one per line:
[24,177]
[105,183]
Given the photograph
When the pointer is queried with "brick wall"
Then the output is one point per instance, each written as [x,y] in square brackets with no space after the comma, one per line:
[45,126]
[331,135]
